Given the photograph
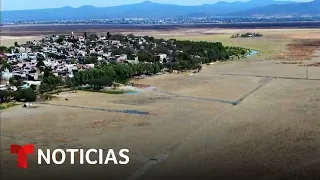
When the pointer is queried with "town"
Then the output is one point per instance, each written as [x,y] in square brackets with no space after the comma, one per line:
[60,61]
[205,20]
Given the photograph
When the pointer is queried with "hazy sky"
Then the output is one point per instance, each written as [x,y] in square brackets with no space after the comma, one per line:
[40,4]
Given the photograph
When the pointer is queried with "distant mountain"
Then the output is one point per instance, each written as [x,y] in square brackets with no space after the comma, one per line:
[296,9]
[145,9]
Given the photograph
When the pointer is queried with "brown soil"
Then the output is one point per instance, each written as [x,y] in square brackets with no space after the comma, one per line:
[290,63]
[298,51]
[316,64]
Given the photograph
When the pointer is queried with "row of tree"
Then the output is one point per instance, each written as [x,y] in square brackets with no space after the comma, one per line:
[107,74]
[26,95]
[113,73]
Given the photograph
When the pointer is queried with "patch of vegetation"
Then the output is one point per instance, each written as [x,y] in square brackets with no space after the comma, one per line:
[115,91]
[142,124]
[8,105]
[109,91]
[47,97]
[27,95]
[22,95]
[260,44]
[57,91]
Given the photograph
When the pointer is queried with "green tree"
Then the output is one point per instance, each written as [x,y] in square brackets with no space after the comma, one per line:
[70,82]
[26,94]
[108,70]
[40,64]
[98,83]
[44,88]
[3,49]
[91,60]
[40,57]
[15,81]
[33,87]
[2,95]
[156,68]
[6,65]
[7,95]
[60,39]
[144,56]
[10,49]
[107,81]
[51,81]
[47,72]
[93,37]
[52,55]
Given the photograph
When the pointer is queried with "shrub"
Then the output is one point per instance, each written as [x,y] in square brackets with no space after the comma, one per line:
[26,94]
[33,87]
[2,96]
[44,88]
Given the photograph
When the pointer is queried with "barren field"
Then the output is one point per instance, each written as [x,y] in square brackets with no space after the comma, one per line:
[255,118]
[10,40]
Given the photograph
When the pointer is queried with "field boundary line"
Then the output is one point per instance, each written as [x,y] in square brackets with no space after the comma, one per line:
[253,91]
[173,147]
[262,76]
[135,112]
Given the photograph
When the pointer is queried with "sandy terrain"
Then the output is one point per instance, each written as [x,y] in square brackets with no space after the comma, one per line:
[248,119]
[10,40]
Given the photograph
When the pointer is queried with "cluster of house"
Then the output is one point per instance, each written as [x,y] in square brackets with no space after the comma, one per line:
[246,35]
[63,55]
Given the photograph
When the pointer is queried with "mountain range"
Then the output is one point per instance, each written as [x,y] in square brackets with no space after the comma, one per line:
[152,10]
[306,8]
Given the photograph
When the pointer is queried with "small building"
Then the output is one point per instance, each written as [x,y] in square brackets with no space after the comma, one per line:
[162,57]
[3,87]
[28,84]
[6,75]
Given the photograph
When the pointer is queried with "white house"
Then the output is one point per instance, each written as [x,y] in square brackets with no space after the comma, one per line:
[6,75]
[3,87]
[162,57]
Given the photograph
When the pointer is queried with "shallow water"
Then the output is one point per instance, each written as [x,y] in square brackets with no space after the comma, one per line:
[252,53]
[133,92]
